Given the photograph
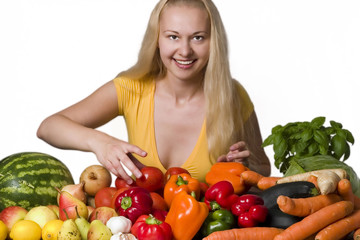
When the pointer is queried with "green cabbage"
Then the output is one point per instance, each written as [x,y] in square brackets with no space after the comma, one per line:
[319,162]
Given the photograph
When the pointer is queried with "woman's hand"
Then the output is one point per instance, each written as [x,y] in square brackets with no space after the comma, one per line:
[117,154]
[238,153]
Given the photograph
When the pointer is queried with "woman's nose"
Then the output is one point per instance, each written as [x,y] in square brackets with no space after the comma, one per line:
[185,48]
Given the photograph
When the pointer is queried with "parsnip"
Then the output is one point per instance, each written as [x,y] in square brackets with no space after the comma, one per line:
[327,179]
[304,176]
[327,182]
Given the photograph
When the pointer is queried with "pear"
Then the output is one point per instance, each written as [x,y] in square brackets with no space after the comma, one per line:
[83,225]
[69,231]
[98,231]
[68,205]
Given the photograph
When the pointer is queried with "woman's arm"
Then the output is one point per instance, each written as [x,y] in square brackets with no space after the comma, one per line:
[258,160]
[74,128]
[250,152]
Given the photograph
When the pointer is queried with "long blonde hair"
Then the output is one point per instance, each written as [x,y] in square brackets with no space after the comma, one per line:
[224,124]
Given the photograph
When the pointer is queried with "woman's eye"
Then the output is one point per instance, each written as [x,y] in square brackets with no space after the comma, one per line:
[198,38]
[173,37]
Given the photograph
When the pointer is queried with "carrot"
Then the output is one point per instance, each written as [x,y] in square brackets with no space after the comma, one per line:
[251,178]
[341,228]
[267,182]
[316,221]
[313,179]
[356,235]
[251,233]
[303,207]
[345,191]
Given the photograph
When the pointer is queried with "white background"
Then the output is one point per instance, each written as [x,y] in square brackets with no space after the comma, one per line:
[297,59]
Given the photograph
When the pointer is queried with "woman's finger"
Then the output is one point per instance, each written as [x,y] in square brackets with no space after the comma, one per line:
[238,146]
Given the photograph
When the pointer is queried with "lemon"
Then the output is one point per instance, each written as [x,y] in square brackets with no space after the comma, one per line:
[51,229]
[3,230]
[25,230]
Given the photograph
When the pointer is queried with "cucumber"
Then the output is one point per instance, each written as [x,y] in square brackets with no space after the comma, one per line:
[301,189]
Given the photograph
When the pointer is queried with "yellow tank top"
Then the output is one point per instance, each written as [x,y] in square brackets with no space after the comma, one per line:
[136,105]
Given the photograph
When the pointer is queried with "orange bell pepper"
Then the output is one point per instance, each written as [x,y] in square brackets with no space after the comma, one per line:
[229,171]
[186,215]
[179,183]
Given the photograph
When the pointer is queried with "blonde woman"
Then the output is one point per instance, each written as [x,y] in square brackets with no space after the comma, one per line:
[180,104]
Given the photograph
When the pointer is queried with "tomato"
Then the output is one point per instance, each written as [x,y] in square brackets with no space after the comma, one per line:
[117,193]
[203,188]
[158,202]
[120,183]
[152,179]
[174,171]
[103,197]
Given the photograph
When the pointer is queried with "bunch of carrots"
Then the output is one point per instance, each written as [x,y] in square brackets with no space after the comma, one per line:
[325,217]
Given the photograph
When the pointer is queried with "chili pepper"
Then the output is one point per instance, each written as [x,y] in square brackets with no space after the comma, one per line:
[178,183]
[218,220]
[133,202]
[229,171]
[220,195]
[250,210]
[186,215]
[148,227]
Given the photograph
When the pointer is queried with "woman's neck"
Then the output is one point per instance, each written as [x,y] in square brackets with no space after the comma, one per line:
[180,91]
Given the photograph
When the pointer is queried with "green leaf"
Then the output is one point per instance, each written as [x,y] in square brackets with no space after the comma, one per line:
[323,150]
[349,136]
[306,135]
[276,129]
[335,125]
[280,145]
[341,133]
[316,123]
[313,149]
[347,152]
[294,168]
[321,138]
[300,147]
[268,141]
[338,146]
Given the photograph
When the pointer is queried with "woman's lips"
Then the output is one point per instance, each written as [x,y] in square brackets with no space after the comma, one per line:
[184,64]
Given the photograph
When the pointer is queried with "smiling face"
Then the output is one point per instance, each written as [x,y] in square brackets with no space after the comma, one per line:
[184,41]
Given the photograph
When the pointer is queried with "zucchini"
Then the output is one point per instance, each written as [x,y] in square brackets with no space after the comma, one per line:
[301,189]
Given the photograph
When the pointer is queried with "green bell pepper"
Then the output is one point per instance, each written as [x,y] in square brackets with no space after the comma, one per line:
[218,220]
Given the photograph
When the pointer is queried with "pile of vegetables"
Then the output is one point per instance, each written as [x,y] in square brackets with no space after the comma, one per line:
[305,139]
[301,147]
[316,198]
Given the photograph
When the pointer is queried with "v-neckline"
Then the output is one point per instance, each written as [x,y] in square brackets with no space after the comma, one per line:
[153,136]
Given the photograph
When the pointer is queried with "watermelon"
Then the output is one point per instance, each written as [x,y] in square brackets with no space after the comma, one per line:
[30,179]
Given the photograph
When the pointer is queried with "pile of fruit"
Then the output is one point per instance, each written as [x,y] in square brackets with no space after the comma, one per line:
[234,203]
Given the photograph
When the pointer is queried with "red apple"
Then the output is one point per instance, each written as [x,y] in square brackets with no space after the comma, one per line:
[103,214]
[90,210]
[55,208]
[10,215]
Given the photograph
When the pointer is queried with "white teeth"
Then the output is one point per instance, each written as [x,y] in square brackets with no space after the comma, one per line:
[185,62]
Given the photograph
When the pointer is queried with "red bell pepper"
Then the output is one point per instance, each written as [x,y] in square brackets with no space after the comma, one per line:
[133,202]
[220,195]
[159,214]
[150,228]
[250,210]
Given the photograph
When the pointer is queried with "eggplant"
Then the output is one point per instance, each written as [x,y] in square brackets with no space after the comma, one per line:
[301,189]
